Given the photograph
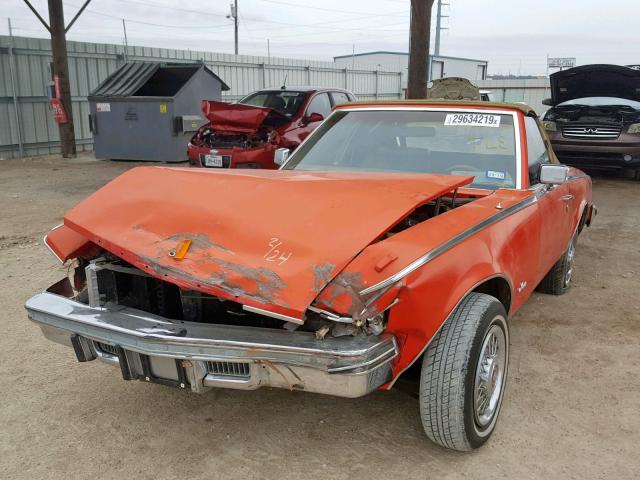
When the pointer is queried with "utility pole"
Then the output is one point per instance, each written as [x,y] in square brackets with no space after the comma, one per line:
[353,56]
[61,76]
[14,93]
[126,42]
[419,48]
[439,26]
[234,14]
[60,72]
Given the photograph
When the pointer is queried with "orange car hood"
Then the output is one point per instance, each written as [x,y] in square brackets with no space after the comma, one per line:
[267,239]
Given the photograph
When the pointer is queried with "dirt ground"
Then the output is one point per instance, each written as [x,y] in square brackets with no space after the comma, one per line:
[572,405]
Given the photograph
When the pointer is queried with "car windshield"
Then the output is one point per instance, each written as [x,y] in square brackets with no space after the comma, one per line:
[283,101]
[476,144]
[601,102]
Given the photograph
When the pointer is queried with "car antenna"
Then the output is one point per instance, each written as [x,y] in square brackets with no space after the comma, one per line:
[284,84]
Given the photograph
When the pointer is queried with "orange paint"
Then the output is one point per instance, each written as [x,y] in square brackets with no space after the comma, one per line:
[282,240]
[256,235]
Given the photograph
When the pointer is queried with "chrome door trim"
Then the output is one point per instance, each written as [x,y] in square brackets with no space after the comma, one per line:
[452,242]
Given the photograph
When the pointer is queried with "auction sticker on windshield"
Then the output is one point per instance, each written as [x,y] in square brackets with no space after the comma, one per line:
[472,119]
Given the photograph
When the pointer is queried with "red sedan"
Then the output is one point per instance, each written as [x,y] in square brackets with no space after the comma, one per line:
[247,134]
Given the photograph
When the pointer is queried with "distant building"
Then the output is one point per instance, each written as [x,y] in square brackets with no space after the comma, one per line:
[440,66]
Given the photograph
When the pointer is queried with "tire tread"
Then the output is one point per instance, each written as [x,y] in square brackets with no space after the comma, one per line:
[446,360]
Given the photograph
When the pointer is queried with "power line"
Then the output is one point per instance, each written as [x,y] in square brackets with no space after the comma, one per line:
[355,29]
[116,17]
[279,2]
[177,9]
[200,12]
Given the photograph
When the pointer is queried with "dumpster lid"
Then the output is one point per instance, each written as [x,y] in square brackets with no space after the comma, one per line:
[138,79]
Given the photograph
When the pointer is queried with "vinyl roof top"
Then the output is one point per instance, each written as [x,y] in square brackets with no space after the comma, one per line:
[526,109]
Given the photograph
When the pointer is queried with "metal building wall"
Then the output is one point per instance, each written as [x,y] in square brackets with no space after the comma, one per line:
[90,63]
[530,91]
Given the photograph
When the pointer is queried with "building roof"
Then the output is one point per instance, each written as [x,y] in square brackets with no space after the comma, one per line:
[135,78]
[387,52]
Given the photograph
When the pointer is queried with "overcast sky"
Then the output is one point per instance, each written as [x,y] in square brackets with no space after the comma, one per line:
[515,36]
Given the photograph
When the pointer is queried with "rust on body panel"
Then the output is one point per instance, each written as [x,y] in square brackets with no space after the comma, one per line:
[254,234]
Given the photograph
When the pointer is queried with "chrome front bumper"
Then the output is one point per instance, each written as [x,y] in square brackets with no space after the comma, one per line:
[197,356]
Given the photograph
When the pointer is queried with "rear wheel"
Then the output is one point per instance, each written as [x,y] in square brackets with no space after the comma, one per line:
[464,373]
[558,280]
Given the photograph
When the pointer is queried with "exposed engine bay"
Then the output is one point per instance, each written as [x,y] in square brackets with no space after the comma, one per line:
[108,280]
[429,210]
[591,114]
[206,136]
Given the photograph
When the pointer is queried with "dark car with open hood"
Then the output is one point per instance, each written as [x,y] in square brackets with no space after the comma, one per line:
[262,128]
[594,121]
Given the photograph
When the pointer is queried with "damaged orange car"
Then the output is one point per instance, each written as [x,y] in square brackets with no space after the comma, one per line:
[398,238]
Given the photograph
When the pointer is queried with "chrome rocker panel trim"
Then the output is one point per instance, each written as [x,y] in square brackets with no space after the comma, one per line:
[345,366]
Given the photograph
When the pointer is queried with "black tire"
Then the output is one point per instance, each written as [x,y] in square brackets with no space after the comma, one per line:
[450,368]
[558,280]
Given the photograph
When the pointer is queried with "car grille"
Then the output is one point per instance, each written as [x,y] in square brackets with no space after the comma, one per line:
[592,131]
[105,348]
[228,369]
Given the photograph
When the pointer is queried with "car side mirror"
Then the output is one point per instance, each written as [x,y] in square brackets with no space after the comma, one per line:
[313,117]
[553,174]
[280,156]
[548,102]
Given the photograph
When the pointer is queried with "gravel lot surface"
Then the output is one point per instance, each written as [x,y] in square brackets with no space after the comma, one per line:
[572,406]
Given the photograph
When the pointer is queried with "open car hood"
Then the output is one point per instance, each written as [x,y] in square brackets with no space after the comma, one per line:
[267,239]
[595,81]
[240,118]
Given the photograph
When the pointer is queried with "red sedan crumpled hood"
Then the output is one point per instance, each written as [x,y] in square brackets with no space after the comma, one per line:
[268,239]
[240,118]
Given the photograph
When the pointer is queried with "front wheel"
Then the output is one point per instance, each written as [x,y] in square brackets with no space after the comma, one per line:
[464,373]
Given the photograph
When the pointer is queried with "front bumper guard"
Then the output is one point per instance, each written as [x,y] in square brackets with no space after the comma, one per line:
[198,356]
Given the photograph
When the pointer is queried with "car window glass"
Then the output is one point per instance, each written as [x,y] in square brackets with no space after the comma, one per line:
[320,104]
[479,145]
[536,149]
[283,101]
[340,97]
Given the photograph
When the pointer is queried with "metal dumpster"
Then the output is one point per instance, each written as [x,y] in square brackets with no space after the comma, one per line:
[148,111]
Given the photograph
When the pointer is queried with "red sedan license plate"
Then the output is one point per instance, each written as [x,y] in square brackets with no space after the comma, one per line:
[213,160]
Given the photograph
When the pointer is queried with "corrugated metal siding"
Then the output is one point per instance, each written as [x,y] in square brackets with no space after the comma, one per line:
[91,63]
[530,91]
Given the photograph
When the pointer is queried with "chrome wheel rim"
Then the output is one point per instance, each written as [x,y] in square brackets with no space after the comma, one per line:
[490,376]
[571,253]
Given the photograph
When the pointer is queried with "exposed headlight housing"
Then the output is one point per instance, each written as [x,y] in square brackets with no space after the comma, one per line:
[634,128]
[549,126]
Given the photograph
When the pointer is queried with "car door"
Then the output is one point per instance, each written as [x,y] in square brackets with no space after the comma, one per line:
[555,202]
[320,103]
